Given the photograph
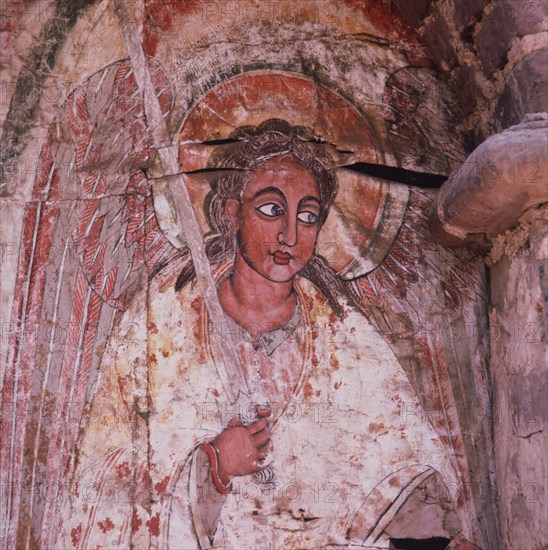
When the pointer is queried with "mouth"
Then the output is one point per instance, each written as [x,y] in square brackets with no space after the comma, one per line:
[281,258]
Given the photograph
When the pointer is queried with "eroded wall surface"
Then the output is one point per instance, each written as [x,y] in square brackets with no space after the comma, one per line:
[411,89]
[518,369]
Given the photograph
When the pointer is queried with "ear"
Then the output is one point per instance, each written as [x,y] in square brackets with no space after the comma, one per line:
[232,210]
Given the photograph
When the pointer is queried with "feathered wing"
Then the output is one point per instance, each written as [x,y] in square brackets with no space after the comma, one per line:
[430,305]
[89,240]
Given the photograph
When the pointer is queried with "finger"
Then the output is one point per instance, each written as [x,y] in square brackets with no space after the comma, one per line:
[265,449]
[257,426]
[236,421]
[262,460]
[263,411]
[260,439]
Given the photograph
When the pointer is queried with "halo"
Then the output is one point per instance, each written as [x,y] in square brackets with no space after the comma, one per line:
[367,213]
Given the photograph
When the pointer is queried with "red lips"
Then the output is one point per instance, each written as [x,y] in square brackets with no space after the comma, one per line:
[281,258]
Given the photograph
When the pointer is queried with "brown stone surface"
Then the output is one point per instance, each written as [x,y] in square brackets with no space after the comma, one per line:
[467,89]
[501,179]
[507,20]
[413,11]
[466,11]
[519,382]
[494,37]
[530,15]
[525,90]
[437,37]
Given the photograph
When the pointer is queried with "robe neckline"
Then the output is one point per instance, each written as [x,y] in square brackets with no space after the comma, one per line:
[269,341]
[272,340]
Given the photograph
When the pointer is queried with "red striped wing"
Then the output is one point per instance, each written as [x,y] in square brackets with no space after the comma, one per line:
[422,298]
[89,240]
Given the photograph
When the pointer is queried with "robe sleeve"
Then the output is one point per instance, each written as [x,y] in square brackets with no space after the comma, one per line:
[113,499]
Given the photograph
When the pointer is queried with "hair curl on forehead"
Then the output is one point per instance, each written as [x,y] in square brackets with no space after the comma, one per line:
[253,146]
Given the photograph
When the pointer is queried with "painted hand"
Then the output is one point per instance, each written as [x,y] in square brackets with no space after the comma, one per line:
[243,449]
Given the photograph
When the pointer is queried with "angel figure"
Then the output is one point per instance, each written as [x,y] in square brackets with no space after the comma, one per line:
[329,458]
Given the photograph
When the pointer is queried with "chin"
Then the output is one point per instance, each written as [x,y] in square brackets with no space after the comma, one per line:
[277,273]
[278,276]
[280,279]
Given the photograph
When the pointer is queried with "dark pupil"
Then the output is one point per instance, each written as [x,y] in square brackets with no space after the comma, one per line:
[276,210]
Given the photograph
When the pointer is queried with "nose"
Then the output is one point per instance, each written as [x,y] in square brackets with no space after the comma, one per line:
[288,234]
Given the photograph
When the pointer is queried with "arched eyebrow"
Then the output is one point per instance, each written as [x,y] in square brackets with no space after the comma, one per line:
[268,190]
[310,198]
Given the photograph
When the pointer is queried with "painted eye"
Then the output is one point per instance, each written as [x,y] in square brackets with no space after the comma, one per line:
[307,217]
[271,209]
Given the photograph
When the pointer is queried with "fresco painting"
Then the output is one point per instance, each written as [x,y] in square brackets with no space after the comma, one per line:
[343,423]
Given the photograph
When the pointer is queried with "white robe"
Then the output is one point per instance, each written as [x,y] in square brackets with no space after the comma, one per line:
[350,441]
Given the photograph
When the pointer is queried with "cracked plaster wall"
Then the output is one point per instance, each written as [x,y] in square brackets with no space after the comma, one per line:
[493,82]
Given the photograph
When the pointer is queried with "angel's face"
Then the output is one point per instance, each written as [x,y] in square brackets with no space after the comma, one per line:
[277,218]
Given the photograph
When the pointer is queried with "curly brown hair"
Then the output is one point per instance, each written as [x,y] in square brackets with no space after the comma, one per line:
[249,147]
